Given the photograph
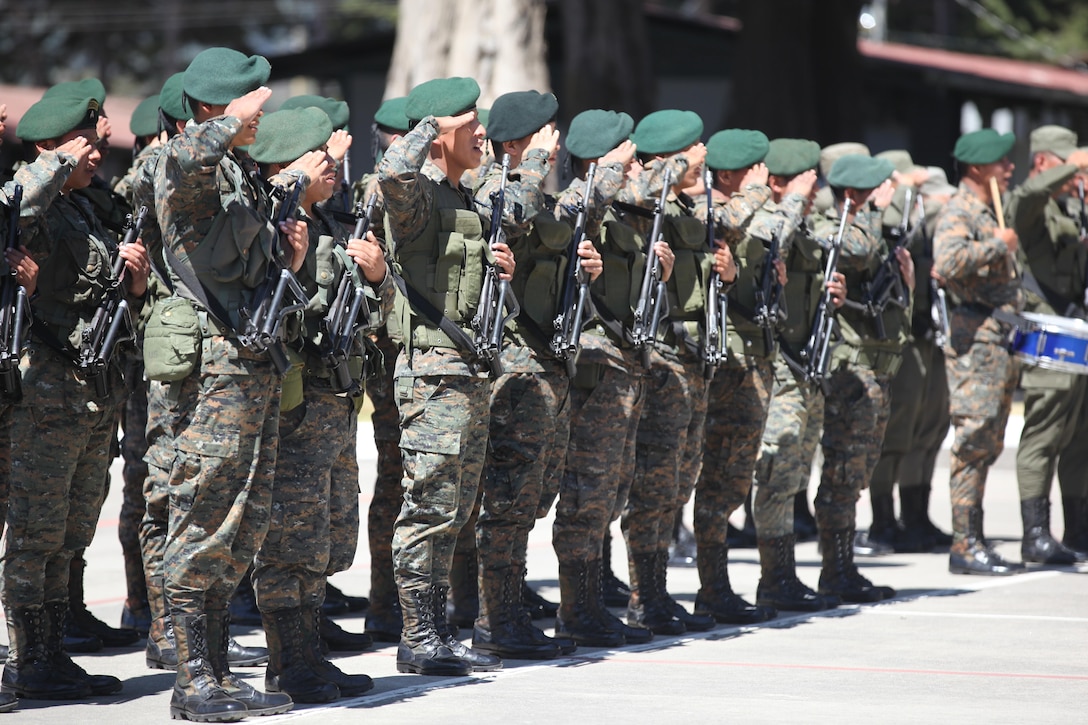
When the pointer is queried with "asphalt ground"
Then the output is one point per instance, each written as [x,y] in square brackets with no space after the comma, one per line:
[947,649]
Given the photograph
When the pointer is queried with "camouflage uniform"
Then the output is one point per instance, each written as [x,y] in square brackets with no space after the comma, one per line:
[980,277]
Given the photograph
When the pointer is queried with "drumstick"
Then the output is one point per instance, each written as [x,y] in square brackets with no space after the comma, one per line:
[995,196]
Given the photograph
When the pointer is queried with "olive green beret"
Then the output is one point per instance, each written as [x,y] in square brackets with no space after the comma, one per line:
[1058,140]
[171,98]
[594,133]
[983,147]
[736,148]
[668,131]
[284,136]
[53,117]
[442,97]
[145,119]
[855,171]
[219,75]
[900,158]
[791,156]
[519,114]
[337,111]
[79,89]
[391,116]
[830,154]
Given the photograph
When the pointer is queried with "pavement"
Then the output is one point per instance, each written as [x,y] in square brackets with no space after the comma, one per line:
[947,649]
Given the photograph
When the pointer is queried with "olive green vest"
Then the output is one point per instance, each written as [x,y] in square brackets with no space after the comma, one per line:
[616,290]
[745,336]
[539,278]
[859,332]
[688,284]
[803,291]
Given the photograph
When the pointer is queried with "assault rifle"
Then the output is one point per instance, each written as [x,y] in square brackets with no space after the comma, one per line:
[262,321]
[112,321]
[653,300]
[14,308]
[715,327]
[816,355]
[341,322]
[768,308]
[496,295]
[938,313]
[566,342]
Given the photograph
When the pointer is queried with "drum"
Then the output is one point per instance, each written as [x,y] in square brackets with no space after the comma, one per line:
[1051,342]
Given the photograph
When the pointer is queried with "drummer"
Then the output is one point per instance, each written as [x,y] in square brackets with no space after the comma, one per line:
[1055,418]
[974,259]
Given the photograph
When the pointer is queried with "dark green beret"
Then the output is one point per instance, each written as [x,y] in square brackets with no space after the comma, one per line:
[391,116]
[736,148]
[519,114]
[594,133]
[53,117]
[337,111]
[666,132]
[219,75]
[171,98]
[442,97]
[145,119]
[791,156]
[983,147]
[284,136]
[79,89]
[855,171]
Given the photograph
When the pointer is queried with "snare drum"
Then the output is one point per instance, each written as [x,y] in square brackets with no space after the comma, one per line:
[1051,342]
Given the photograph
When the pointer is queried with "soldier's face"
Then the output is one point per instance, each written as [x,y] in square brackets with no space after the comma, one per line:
[82,175]
[1001,171]
[467,144]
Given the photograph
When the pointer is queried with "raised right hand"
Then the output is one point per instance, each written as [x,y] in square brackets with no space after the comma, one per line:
[79,147]
[311,163]
[622,154]
[246,108]
[452,123]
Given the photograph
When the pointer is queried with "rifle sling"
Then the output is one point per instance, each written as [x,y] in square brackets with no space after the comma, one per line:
[193,289]
[43,333]
[423,306]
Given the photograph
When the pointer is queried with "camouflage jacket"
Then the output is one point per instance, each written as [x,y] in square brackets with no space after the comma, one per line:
[147,155]
[607,183]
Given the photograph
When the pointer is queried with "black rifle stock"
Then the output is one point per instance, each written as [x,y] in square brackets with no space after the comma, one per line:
[263,319]
[653,301]
[341,323]
[887,286]
[715,325]
[496,296]
[14,308]
[112,321]
[768,308]
[566,342]
[815,356]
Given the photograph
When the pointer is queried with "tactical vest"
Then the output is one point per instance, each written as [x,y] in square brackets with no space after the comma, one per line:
[745,336]
[803,291]
[859,332]
[688,284]
[445,264]
[539,278]
[616,290]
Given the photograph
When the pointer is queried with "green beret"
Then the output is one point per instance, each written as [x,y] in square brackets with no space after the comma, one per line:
[736,148]
[79,89]
[791,156]
[983,147]
[442,97]
[219,75]
[594,133]
[855,171]
[284,136]
[666,132]
[391,116]
[519,114]
[145,119]
[1057,140]
[171,98]
[337,111]
[830,154]
[53,117]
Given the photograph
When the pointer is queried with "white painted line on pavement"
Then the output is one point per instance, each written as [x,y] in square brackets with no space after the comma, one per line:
[968,615]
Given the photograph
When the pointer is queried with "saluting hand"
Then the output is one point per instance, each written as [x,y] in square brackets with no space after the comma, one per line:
[367,253]
[622,154]
[802,183]
[311,163]
[79,148]
[590,259]
[137,266]
[546,139]
[756,175]
[882,195]
[452,123]
[338,144]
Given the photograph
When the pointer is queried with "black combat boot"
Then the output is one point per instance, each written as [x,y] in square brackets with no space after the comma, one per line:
[80,623]
[916,530]
[779,586]
[682,550]
[839,576]
[716,597]
[349,685]
[479,661]
[337,602]
[421,649]
[631,635]
[287,669]
[56,616]
[804,523]
[337,639]
[197,694]
[615,592]
[159,654]
[969,553]
[30,672]
[885,529]
[499,629]
[577,617]
[537,606]
[1038,546]
[8,702]
[464,600]
[1075,538]
[691,622]
[257,703]
[647,608]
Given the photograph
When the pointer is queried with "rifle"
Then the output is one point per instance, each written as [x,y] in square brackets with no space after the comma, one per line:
[345,183]
[653,301]
[262,320]
[496,295]
[14,308]
[112,321]
[938,313]
[566,343]
[768,308]
[715,327]
[815,356]
[341,321]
